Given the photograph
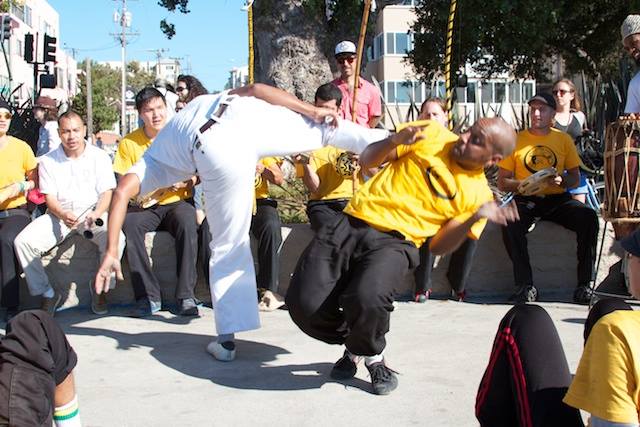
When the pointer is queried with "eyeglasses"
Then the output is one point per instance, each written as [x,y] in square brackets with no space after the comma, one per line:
[181,88]
[349,59]
[6,116]
[561,92]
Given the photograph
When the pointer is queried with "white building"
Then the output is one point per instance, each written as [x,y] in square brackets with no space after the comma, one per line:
[35,17]
[399,84]
[167,68]
[238,76]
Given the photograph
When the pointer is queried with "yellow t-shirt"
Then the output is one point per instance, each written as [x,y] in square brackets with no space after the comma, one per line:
[333,185]
[607,382]
[261,184]
[130,149]
[16,159]
[422,190]
[534,153]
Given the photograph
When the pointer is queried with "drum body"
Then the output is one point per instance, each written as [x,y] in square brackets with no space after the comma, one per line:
[622,202]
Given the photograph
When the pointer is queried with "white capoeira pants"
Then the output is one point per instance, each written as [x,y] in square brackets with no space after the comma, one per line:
[225,159]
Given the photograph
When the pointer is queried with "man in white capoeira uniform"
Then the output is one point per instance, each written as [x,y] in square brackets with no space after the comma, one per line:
[220,138]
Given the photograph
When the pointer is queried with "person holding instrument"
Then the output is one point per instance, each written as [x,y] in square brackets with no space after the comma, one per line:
[77,181]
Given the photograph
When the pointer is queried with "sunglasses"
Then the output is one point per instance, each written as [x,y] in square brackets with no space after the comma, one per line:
[349,59]
[181,88]
[6,116]
[561,92]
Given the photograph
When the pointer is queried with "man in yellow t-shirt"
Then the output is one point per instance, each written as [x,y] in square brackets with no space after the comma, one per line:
[433,186]
[538,148]
[172,213]
[331,187]
[18,172]
[265,224]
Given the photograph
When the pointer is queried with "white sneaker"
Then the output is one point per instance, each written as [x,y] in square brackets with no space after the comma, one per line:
[220,353]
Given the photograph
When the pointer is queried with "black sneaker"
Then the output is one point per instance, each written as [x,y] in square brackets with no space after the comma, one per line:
[344,368]
[583,294]
[527,293]
[383,379]
[188,307]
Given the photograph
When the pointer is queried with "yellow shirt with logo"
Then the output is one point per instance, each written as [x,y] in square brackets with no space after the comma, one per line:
[261,184]
[130,149]
[422,190]
[534,153]
[333,185]
[607,382]
[16,159]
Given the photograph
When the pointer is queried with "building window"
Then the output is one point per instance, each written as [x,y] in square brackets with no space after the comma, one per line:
[500,92]
[398,43]
[515,95]
[402,92]
[27,15]
[527,90]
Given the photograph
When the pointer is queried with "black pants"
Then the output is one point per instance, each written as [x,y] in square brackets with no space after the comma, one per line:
[601,309]
[204,247]
[527,375]
[179,219]
[563,210]
[458,271]
[265,227]
[343,286]
[10,227]
[35,357]
[323,212]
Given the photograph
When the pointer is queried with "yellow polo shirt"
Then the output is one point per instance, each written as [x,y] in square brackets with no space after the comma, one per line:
[607,382]
[422,190]
[534,153]
[16,159]
[333,185]
[261,184]
[130,149]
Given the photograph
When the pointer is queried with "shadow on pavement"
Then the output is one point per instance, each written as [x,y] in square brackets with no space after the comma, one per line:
[252,370]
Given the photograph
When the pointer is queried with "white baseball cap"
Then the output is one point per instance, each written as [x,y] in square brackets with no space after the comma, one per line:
[345,47]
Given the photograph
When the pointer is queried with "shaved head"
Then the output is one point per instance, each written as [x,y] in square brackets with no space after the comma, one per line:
[502,135]
[487,142]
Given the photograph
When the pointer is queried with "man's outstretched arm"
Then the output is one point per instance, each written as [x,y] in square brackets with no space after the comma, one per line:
[276,96]
[128,187]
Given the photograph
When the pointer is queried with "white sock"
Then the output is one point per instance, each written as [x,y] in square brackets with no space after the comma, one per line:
[49,293]
[67,415]
[370,360]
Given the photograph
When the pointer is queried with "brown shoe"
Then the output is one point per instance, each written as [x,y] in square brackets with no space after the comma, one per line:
[50,305]
[98,302]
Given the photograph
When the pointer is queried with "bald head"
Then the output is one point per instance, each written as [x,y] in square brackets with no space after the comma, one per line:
[487,142]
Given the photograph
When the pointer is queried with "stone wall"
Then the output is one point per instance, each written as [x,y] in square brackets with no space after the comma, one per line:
[552,248]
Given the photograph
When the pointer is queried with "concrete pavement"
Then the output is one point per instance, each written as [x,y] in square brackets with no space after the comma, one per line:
[140,372]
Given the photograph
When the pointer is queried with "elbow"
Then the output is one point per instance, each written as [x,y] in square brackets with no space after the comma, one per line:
[253,89]
[502,185]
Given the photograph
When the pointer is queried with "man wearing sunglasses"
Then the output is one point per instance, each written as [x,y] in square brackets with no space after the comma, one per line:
[368,106]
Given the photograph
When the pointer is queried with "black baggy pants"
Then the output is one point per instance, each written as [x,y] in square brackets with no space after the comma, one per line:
[266,228]
[323,212]
[459,269]
[35,357]
[343,287]
[10,227]
[563,210]
[179,219]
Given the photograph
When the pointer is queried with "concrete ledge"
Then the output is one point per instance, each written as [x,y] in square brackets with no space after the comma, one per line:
[552,248]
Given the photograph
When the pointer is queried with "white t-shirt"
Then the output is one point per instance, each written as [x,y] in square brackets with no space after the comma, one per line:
[48,138]
[76,183]
[633,96]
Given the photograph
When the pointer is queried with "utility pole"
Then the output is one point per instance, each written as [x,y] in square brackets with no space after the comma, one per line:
[158,53]
[89,99]
[124,19]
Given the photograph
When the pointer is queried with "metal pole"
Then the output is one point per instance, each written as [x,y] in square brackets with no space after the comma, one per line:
[363,32]
[251,53]
[123,40]
[448,74]
[89,99]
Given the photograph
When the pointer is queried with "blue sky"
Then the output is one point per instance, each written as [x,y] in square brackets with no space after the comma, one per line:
[213,34]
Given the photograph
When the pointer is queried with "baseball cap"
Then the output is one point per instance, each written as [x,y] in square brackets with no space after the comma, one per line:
[345,47]
[631,243]
[630,26]
[545,98]
[4,105]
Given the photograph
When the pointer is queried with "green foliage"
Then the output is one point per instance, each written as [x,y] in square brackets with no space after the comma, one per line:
[292,196]
[519,35]
[138,78]
[105,96]
[166,27]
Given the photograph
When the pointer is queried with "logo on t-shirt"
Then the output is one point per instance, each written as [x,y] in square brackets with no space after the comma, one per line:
[540,157]
[441,184]
[257,182]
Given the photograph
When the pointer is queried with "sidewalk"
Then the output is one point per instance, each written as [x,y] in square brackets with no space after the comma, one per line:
[135,372]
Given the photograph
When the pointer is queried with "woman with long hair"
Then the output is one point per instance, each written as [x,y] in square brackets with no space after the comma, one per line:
[188,87]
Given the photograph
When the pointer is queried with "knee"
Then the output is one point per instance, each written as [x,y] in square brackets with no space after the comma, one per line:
[132,228]
[368,300]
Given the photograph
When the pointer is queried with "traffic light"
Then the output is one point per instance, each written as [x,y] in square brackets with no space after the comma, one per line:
[6,27]
[28,47]
[49,48]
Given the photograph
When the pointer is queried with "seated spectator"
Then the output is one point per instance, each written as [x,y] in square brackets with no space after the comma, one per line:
[77,181]
[45,112]
[330,188]
[18,174]
[36,373]
[173,212]
[541,147]
[461,259]
[527,376]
